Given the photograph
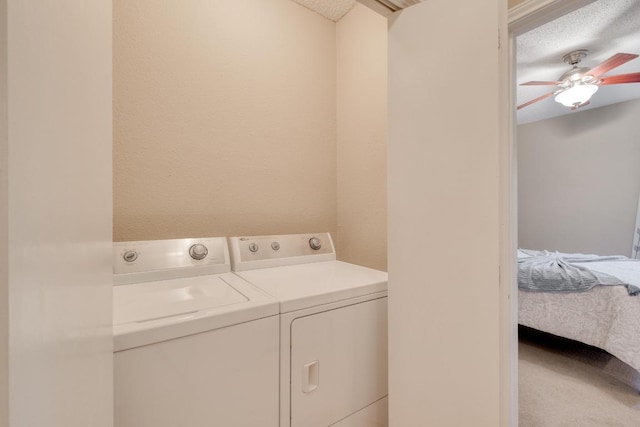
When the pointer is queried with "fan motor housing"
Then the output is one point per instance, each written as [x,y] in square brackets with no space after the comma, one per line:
[574,58]
[575,74]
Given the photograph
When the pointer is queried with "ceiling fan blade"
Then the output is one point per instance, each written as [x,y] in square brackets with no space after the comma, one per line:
[533,101]
[621,78]
[615,61]
[536,83]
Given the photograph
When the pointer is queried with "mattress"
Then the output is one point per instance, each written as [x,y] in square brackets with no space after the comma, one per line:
[605,317]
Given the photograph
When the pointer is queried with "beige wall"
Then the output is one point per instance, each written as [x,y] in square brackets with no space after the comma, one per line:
[515,2]
[59,212]
[445,351]
[4,224]
[224,119]
[579,179]
[362,137]
[253,117]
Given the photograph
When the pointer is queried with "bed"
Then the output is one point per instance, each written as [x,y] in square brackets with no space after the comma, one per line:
[606,317]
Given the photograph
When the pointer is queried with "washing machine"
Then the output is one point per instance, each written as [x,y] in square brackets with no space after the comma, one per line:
[194,344]
[333,329]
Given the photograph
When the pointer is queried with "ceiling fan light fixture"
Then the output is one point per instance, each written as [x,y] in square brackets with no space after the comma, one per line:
[576,95]
[577,86]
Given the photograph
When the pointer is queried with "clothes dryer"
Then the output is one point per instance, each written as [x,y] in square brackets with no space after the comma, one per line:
[333,329]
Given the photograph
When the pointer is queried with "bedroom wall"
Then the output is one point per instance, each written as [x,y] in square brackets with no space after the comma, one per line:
[579,179]
[362,137]
[224,119]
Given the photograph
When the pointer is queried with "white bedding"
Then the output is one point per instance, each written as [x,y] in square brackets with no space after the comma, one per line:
[605,316]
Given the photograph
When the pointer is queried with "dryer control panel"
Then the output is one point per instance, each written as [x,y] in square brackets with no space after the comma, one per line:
[248,253]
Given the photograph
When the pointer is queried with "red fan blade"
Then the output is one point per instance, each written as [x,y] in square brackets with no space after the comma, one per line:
[621,78]
[615,61]
[535,83]
[533,101]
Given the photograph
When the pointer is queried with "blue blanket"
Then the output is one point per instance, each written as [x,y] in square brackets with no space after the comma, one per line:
[545,271]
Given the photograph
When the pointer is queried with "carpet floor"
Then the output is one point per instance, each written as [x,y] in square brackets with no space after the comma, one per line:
[563,383]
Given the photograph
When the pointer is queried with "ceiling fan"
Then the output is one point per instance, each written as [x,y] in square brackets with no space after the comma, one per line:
[576,86]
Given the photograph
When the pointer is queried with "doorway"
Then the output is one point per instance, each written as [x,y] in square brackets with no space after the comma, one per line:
[526,19]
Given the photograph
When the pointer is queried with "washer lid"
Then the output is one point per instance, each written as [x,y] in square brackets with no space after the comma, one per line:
[309,285]
[151,312]
[144,302]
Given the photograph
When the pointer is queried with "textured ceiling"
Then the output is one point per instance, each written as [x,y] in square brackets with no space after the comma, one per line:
[399,4]
[336,9]
[605,28]
[330,9]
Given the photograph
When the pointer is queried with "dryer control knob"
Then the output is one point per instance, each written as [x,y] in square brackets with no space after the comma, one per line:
[253,247]
[315,243]
[198,251]
[130,255]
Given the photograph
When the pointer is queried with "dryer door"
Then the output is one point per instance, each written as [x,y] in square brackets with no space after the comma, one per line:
[338,363]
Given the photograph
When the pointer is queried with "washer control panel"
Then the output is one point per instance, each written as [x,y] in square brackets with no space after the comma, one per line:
[198,251]
[130,255]
[266,251]
[315,243]
[174,258]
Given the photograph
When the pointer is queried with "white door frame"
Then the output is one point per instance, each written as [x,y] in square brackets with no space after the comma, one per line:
[524,17]
[533,13]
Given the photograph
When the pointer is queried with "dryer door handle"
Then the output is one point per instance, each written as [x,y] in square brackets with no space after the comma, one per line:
[310,376]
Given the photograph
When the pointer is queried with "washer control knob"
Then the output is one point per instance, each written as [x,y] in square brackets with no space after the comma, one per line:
[275,246]
[253,247]
[198,251]
[315,243]
[130,255]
